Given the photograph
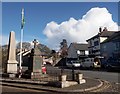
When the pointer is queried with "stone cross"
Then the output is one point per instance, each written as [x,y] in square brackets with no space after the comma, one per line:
[35,62]
[35,43]
[12,63]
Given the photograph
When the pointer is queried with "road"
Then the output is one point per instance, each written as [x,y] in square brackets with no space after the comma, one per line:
[104,75]
[112,77]
[109,76]
[15,90]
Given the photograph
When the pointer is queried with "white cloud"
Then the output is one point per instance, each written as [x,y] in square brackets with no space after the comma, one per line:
[79,30]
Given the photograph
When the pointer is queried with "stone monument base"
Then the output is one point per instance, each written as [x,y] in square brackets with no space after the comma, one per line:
[12,68]
[12,75]
[36,75]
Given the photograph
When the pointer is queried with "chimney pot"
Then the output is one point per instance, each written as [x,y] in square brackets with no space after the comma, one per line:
[100,29]
[105,29]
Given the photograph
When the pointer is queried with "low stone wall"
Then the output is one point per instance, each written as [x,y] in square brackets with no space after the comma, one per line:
[63,83]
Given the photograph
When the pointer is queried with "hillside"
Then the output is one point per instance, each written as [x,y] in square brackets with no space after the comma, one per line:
[26,45]
[41,47]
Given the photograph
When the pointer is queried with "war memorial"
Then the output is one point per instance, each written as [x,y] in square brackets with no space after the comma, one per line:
[34,66]
[58,80]
[35,79]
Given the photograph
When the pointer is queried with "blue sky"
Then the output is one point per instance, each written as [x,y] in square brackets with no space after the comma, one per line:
[39,14]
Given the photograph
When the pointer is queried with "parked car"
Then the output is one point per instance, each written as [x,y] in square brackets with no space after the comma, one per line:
[88,63]
[97,62]
[44,70]
[113,64]
[73,63]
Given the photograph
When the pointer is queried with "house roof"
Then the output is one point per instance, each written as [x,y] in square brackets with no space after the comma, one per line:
[79,46]
[103,34]
[106,33]
[114,37]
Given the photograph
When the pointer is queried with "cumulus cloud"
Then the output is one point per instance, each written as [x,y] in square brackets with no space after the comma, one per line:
[79,30]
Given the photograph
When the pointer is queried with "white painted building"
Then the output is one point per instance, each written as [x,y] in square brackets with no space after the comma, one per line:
[94,43]
[76,49]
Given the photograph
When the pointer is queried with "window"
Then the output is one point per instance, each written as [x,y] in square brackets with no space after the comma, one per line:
[96,43]
[82,52]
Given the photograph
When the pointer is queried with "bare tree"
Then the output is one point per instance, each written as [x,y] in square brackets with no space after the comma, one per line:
[64,53]
[64,48]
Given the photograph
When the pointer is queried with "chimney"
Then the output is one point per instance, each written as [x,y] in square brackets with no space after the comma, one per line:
[100,29]
[105,29]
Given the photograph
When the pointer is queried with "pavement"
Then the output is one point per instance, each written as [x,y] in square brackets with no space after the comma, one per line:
[91,85]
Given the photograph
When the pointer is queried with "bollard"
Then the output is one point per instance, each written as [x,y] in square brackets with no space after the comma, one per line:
[62,78]
[79,78]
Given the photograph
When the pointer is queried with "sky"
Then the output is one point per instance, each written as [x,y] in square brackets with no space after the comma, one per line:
[50,22]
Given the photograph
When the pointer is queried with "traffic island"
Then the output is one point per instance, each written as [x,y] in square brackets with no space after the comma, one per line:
[62,83]
[80,84]
[89,86]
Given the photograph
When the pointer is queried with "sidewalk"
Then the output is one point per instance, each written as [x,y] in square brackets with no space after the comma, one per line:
[90,85]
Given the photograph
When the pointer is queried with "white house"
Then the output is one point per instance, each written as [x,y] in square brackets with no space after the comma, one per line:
[94,43]
[76,50]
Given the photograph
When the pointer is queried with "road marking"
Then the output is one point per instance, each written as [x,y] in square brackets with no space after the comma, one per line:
[106,85]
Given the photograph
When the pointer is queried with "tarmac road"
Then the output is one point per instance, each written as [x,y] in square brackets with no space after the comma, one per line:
[112,77]
[16,90]
[109,76]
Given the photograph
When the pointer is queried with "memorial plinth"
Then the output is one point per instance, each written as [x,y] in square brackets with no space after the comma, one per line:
[36,62]
[12,63]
